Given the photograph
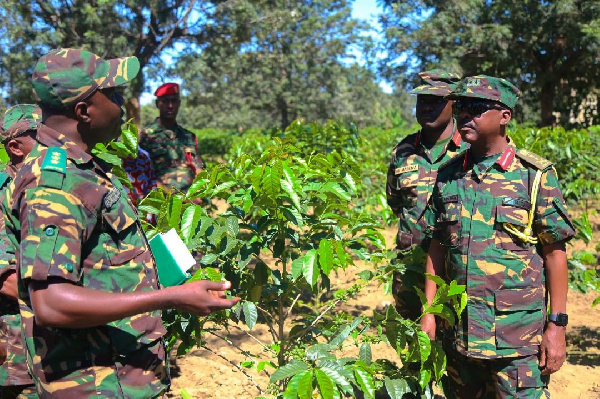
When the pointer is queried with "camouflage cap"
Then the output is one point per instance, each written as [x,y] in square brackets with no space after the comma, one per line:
[64,76]
[19,119]
[436,82]
[488,88]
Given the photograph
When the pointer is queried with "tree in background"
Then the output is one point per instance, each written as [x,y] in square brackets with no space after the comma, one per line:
[295,60]
[548,48]
[109,28]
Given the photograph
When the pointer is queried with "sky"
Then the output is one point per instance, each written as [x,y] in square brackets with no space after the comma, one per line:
[361,9]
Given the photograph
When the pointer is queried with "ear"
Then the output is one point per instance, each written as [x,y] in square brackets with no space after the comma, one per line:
[156,102]
[14,148]
[505,117]
[81,112]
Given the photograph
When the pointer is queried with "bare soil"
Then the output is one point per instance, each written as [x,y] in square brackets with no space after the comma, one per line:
[215,373]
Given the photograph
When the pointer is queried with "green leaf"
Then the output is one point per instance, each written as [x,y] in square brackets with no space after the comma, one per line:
[336,373]
[293,216]
[320,351]
[365,382]
[396,388]
[288,370]
[438,358]
[341,337]
[305,386]
[297,267]
[233,227]
[184,394]
[364,353]
[424,345]
[424,377]
[129,138]
[271,183]
[326,256]
[223,187]
[310,270]
[325,384]
[250,314]
[336,189]
[189,222]
[291,391]
[288,188]
[340,251]
[436,279]
[175,210]
[208,259]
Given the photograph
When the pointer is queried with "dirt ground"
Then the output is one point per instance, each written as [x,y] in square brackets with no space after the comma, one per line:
[213,373]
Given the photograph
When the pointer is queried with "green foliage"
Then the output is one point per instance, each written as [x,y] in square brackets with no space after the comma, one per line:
[584,275]
[113,152]
[573,153]
[514,40]
[294,217]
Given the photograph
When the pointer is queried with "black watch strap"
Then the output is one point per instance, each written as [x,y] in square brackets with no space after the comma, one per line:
[560,319]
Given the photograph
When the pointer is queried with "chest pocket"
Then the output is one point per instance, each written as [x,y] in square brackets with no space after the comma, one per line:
[121,233]
[448,222]
[512,212]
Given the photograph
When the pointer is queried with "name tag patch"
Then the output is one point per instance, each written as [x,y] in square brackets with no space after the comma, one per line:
[405,169]
[446,199]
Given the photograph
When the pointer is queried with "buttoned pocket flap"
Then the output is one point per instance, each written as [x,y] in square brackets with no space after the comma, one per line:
[518,299]
[509,213]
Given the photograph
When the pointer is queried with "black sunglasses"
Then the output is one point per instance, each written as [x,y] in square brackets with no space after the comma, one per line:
[474,107]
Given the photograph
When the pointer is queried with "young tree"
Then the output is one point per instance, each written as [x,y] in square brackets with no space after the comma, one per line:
[548,48]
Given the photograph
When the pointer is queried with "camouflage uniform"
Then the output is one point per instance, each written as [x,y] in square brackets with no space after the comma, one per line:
[14,377]
[70,219]
[481,210]
[410,178]
[174,154]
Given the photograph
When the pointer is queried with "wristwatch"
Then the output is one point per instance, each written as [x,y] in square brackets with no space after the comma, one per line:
[560,319]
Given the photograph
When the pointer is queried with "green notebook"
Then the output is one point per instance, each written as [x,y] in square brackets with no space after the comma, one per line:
[173,259]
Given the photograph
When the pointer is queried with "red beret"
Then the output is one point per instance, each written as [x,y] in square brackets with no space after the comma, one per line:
[167,89]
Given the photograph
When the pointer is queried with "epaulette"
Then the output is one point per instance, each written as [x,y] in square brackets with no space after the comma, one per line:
[458,157]
[4,178]
[534,159]
[54,167]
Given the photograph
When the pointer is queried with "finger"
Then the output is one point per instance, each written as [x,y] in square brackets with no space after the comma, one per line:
[220,304]
[217,285]
[543,357]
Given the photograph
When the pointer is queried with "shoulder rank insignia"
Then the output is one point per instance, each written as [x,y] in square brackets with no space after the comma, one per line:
[112,197]
[534,159]
[55,160]
[4,177]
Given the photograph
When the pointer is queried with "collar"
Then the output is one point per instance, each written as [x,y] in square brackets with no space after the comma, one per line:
[11,171]
[503,161]
[51,138]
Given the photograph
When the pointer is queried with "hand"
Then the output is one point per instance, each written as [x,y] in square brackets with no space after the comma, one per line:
[553,349]
[428,325]
[203,297]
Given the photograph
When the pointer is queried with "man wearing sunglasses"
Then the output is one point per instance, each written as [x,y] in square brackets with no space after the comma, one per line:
[89,294]
[500,229]
[17,131]
[411,174]
[173,149]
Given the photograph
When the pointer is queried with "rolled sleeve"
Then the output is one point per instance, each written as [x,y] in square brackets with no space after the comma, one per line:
[552,221]
[52,231]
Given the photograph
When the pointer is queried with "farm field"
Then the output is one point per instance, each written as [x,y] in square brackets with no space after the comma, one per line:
[205,374]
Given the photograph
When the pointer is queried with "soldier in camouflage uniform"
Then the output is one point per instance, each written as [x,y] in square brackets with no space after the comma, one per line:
[89,294]
[173,149]
[411,174]
[17,131]
[500,229]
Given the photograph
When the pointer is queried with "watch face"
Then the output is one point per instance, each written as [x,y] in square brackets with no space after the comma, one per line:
[562,319]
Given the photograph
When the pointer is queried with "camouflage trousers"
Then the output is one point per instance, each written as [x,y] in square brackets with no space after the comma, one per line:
[18,392]
[407,302]
[514,377]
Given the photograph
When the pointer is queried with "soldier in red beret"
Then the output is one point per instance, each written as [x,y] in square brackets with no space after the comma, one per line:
[173,149]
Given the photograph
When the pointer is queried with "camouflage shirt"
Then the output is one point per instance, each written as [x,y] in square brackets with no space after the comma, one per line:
[471,204]
[14,370]
[174,154]
[70,219]
[410,178]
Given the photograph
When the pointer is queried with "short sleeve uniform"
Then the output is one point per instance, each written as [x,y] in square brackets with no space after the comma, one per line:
[472,203]
[71,220]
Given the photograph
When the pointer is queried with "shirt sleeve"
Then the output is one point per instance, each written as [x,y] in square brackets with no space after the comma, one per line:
[552,222]
[52,231]
[7,250]
[391,192]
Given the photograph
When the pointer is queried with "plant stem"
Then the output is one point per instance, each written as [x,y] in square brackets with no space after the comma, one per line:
[237,367]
